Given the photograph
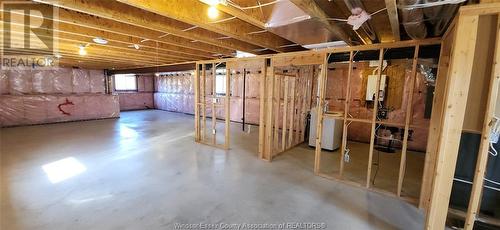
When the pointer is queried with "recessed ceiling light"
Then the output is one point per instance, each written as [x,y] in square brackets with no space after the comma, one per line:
[100,40]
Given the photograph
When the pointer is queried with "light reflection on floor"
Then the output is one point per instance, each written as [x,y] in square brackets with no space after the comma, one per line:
[63,169]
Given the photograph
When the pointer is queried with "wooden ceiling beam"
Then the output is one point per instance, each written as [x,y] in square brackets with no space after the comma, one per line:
[88,25]
[185,45]
[137,17]
[194,12]
[93,57]
[71,48]
[392,11]
[103,50]
[315,11]
[77,60]
[76,39]
[244,16]
[165,68]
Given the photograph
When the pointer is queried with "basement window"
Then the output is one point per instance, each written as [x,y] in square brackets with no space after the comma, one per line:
[125,82]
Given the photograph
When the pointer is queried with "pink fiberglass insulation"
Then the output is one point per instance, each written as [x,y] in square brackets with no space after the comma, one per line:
[50,81]
[252,110]
[42,82]
[252,86]
[136,101]
[148,84]
[81,81]
[41,109]
[97,81]
[20,81]
[63,82]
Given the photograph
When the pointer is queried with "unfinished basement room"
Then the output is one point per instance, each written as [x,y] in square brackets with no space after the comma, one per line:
[250,114]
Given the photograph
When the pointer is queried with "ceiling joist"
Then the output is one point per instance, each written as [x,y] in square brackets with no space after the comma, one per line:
[137,17]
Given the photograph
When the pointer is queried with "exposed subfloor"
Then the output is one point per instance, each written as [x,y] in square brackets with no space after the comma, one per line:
[144,171]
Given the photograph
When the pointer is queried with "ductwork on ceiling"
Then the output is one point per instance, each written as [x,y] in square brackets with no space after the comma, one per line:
[427,18]
[366,27]
[289,21]
[420,18]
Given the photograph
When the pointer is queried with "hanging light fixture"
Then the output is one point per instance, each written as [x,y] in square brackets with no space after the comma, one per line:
[82,50]
[213,12]
[214,2]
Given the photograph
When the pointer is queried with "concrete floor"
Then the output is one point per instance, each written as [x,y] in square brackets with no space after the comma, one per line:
[144,171]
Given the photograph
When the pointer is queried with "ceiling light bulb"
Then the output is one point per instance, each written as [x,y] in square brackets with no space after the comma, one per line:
[211,2]
[82,51]
[212,12]
[136,46]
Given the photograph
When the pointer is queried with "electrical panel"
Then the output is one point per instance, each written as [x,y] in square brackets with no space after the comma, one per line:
[371,87]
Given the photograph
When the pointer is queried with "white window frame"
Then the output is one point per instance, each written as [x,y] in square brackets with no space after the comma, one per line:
[131,85]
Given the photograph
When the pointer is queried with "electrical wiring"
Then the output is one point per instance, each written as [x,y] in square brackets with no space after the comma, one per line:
[468,182]
[429,4]
[492,181]
[222,20]
[495,152]
[251,7]
[345,20]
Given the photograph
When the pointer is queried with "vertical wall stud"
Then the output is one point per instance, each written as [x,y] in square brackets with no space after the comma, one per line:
[374,118]
[409,107]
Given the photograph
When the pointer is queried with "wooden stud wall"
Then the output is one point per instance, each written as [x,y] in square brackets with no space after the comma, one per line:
[449,108]
[286,105]
[214,103]
[279,88]
[467,53]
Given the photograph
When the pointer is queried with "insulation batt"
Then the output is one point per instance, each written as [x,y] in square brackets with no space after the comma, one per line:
[40,109]
[140,99]
[35,96]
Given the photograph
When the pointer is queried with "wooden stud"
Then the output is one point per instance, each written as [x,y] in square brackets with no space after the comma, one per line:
[277,108]
[374,119]
[196,104]
[227,109]
[214,98]
[484,147]
[436,117]
[453,117]
[292,113]
[302,101]
[319,108]
[269,108]
[204,97]
[402,164]
[346,111]
[285,114]
[262,109]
